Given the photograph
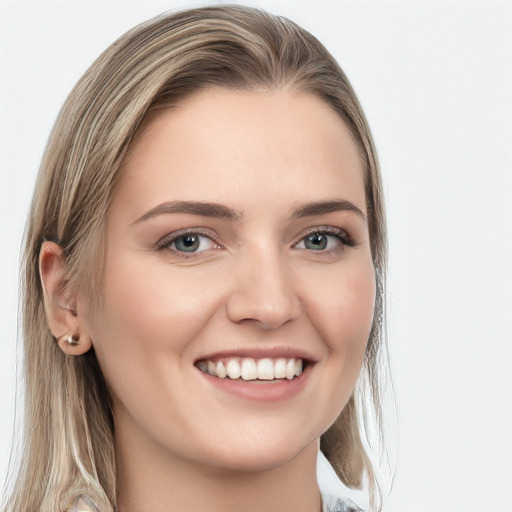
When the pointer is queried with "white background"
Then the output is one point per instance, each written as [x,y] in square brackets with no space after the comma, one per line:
[435,80]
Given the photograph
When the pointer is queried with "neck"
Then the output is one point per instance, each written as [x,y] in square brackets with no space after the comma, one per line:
[157,482]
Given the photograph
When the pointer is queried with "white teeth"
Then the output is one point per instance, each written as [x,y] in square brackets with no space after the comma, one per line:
[211,366]
[290,369]
[220,370]
[248,368]
[233,369]
[298,367]
[280,369]
[265,369]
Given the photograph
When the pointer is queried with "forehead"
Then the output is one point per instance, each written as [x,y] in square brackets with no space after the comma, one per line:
[226,145]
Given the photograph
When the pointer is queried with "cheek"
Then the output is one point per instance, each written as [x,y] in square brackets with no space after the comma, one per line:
[344,319]
[342,314]
[356,311]
[148,319]
[151,302]
[344,310]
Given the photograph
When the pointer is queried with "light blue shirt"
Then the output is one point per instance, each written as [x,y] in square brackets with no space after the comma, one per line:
[335,504]
[82,503]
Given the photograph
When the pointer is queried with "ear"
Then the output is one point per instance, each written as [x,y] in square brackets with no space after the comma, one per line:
[60,303]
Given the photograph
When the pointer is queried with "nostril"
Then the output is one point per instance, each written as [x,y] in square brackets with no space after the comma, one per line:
[268,312]
[263,289]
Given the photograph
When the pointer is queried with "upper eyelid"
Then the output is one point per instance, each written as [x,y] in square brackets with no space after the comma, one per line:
[329,230]
[171,237]
[324,229]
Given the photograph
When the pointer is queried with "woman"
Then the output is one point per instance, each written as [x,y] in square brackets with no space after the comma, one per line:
[203,276]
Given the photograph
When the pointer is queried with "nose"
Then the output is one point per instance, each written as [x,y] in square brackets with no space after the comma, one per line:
[264,291]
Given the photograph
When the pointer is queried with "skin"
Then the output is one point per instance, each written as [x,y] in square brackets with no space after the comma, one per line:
[255,283]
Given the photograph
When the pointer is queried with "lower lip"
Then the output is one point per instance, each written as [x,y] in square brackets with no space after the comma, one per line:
[261,390]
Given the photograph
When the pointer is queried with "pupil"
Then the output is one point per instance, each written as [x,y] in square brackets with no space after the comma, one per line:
[317,241]
[187,243]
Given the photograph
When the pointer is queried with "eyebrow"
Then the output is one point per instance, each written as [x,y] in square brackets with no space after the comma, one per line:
[220,211]
[204,209]
[323,207]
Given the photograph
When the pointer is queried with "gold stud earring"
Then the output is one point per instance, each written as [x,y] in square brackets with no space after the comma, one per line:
[70,340]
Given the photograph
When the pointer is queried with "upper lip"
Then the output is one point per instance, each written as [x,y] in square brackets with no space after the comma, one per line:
[261,353]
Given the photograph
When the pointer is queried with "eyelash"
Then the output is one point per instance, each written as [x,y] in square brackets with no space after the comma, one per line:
[166,242]
[328,231]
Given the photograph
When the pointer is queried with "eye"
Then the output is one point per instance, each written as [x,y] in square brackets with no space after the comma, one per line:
[188,242]
[324,240]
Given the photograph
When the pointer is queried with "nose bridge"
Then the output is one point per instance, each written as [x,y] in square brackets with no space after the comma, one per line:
[263,288]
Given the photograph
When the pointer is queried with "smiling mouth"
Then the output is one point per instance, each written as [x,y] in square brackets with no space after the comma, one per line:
[252,369]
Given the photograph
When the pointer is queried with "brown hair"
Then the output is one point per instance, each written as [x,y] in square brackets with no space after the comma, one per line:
[68,420]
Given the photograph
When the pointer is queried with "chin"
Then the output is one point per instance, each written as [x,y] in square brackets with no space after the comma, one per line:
[264,454]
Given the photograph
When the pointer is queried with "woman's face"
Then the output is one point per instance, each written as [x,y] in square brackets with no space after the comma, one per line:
[236,241]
